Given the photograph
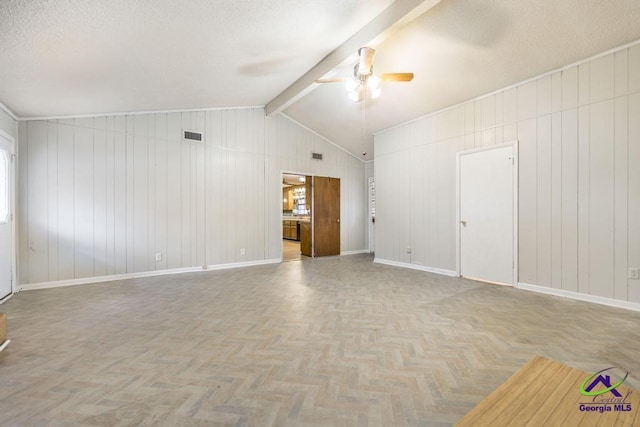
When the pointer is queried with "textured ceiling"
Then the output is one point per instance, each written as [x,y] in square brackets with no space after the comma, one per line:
[73,57]
[461,49]
[69,57]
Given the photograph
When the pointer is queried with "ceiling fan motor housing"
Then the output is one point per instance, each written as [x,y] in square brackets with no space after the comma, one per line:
[364,67]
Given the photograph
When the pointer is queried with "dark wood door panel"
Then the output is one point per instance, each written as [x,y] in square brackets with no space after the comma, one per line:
[326,217]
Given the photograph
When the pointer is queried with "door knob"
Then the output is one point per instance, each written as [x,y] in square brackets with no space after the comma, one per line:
[464,223]
[338,220]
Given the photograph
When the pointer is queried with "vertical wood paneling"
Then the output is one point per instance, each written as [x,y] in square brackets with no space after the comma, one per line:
[543,202]
[527,196]
[621,190]
[601,79]
[510,102]
[570,200]
[22,207]
[570,88]
[621,70]
[120,185]
[556,200]
[66,211]
[215,228]
[52,202]
[129,191]
[109,159]
[634,69]
[417,186]
[445,194]
[186,216]
[469,118]
[200,197]
[174,191]
[100,197]
[634,190]
[161,182]
[37,184]
[544,96]
[556,91]
[140,194]
[151,192]
[579,213]
[111,192]
[488,111]
[8,124]
[527,100]
[83,198]
[601,197]
[499,109]
[584,83]
[583,198]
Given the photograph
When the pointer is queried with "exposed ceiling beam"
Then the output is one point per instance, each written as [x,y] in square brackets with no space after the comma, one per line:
[393,18]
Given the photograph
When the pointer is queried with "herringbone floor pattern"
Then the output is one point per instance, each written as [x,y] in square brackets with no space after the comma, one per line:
[331,342]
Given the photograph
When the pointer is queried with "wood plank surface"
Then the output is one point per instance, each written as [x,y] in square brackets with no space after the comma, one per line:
[545,392]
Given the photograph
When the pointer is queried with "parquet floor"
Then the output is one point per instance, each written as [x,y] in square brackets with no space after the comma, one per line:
[326,342]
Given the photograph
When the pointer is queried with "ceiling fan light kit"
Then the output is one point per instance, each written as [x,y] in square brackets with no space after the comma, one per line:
[363,80]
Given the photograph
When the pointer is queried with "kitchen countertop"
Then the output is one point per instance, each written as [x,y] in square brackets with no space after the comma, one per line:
[286,218]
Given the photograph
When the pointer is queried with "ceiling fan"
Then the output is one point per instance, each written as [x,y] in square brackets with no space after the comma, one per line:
[364,80]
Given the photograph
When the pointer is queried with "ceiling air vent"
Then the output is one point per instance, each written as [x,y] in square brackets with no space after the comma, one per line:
[316,156]
[192,136]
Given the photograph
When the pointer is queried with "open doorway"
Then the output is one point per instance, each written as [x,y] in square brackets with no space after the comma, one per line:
[310,216]
[296,216]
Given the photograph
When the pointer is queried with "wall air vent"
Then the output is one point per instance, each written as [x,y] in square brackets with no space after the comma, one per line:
[316,156]
[193,136]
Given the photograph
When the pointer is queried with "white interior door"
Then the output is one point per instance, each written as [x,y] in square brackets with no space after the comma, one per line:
[487,229]
[6,217]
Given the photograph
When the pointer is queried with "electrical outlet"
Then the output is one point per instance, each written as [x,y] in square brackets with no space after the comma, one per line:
[243,251]
[408,249]
[634,273]
[158,256]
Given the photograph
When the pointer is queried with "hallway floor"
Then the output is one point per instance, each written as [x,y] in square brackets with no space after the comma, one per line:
[290,250]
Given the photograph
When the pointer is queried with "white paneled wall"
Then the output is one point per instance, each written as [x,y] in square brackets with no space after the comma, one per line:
[101,196]
[7,123]
[579,181]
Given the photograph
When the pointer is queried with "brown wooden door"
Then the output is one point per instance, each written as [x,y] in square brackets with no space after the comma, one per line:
[305,226]
[326,216]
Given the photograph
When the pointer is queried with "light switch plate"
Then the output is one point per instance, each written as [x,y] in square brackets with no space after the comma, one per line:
[634,273]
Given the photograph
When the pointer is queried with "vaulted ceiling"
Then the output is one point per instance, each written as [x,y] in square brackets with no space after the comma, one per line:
[76,57]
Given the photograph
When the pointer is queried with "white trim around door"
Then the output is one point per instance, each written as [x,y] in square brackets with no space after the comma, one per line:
[7,142]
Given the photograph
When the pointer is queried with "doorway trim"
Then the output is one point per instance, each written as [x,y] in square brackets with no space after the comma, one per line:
[288,172]
[14,186]
[459,154]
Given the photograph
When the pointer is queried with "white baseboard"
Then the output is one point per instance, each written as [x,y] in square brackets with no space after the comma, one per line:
[359,251]
[114,277]
[416,267]
[628,305]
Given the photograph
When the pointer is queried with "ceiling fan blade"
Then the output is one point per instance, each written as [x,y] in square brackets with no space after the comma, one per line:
[396,77]
[366,60]
[333,80]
